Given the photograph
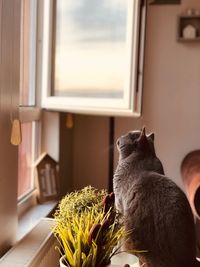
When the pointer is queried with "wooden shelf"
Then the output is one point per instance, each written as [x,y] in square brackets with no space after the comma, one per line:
[182,39]
[164,2]
[183,22]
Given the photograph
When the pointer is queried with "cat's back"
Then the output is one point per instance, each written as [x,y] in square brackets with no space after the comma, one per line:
[159,213]
[158,193]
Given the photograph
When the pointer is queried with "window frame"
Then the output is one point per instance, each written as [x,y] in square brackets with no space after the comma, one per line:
[31,87]
[29,115]
[130,105]
[30,112]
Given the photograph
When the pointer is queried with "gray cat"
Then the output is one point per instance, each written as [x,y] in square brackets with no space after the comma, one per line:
[154,207]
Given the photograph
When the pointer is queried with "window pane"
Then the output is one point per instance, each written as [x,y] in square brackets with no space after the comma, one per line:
[28,43]
[90,48]
[25,160]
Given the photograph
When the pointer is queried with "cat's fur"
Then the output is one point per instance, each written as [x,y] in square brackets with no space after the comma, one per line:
[154,207]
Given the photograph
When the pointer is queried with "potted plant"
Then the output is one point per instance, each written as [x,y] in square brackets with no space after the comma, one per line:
[88,228]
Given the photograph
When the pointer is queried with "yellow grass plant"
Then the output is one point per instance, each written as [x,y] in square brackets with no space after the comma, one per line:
[88,228]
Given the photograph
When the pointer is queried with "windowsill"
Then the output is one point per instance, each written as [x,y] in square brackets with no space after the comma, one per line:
[32,216]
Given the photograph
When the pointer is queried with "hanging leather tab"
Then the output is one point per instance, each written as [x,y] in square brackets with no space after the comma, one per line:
[69,121]
[16,133]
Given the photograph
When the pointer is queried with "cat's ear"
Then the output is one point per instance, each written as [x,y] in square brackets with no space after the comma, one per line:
[143,131]
[151,136]
[142,138]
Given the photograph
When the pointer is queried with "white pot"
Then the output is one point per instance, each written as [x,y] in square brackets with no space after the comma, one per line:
[123,258]
[61,262]
[118,260]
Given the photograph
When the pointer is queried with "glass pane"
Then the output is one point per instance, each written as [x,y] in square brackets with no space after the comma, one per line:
[25,160]
[90,48]
[28,43]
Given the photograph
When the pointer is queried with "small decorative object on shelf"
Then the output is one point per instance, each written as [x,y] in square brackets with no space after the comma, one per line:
[189,25]
[189,11]
[197,12]
[189,32]
[47,174]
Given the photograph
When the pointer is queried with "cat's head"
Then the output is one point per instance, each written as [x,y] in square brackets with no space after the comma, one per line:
[136,142]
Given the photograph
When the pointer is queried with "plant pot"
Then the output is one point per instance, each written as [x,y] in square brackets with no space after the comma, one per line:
[118,260]
[123,258]
[190,172]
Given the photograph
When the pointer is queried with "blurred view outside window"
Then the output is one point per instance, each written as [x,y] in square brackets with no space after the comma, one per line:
[28,35]
[90,43]
[25,160]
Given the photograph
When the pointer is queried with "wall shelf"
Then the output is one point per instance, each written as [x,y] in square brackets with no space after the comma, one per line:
[182,39]
[193,21]
[164,2]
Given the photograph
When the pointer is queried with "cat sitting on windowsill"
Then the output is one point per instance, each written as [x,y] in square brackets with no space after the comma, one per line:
[155,209]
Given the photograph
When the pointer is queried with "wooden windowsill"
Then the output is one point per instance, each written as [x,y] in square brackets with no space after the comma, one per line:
[32,216]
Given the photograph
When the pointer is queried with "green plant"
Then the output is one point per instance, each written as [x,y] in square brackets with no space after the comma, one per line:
[78,201]
[88,228]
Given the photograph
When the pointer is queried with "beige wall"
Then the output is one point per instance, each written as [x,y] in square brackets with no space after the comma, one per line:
[50,134]
[84,152]
[171,103]
[90,157]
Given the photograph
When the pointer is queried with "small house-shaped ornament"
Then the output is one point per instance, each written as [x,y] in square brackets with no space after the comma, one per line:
[47,178]
[189,32]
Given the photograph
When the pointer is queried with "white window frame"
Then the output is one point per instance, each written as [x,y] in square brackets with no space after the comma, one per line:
[130,105]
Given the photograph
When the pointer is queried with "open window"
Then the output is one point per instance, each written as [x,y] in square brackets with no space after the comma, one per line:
[92,56]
